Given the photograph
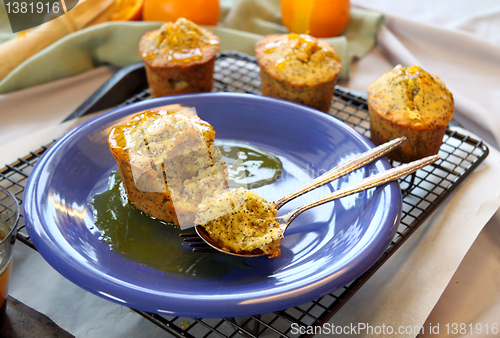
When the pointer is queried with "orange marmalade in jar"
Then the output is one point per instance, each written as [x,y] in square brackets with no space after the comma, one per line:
[9,216]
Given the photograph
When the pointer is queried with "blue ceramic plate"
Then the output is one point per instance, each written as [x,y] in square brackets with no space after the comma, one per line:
[324,249]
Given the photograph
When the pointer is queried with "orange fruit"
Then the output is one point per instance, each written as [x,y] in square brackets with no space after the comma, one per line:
[201,12]
[126,10]
[319,18]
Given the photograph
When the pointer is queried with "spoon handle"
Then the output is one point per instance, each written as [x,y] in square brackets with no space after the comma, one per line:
[343,169]
[364,184]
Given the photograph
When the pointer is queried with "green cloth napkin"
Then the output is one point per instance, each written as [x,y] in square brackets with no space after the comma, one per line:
[116,43]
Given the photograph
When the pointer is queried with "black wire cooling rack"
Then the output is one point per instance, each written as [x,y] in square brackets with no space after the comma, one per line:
[423,192]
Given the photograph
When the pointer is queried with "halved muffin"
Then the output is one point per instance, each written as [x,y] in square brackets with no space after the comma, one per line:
[168,163]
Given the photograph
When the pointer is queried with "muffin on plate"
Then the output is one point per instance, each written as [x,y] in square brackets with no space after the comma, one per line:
[168,163]
[179,58]
[298,68]
[413,103]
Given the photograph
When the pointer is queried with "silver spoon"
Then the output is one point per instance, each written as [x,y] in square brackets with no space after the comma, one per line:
[343,169]
[367,183]
[340,170]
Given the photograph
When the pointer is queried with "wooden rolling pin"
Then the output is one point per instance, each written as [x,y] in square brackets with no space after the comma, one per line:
[30,42]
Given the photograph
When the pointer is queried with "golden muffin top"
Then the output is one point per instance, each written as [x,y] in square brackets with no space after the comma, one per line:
[153,140]
[158,133]
[411,97]
[298,59]
[181,41]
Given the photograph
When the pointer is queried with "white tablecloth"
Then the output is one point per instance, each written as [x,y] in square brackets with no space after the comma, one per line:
[434,278]
[460,42]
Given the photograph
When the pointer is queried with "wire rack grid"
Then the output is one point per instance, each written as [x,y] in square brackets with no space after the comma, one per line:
[423,191]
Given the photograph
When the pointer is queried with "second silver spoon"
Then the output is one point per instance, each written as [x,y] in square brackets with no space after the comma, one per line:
[367,183]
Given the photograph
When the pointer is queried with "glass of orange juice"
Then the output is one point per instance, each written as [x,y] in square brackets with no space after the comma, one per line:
[9,216]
